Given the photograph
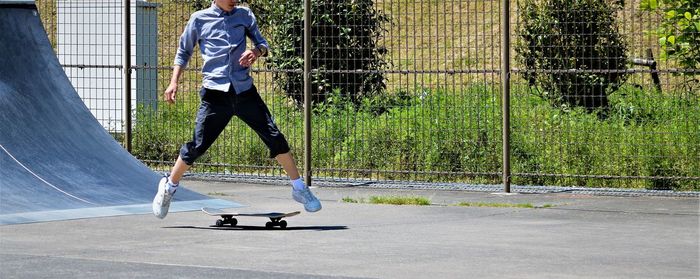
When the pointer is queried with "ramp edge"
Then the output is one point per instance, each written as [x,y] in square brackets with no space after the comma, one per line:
[16,2]
[109,211]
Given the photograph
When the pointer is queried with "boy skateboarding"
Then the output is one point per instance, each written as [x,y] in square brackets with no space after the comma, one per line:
[227,90]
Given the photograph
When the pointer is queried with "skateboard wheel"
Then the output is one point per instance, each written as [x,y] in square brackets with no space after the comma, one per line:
[283,224]
[219,223]
[269,225]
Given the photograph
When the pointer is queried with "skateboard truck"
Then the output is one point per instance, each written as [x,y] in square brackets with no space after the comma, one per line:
[276,222]
[226,220]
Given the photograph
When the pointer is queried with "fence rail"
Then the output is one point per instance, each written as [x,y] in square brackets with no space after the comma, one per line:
[413,91]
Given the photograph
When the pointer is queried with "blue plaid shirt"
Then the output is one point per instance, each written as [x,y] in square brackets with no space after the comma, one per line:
[221,37]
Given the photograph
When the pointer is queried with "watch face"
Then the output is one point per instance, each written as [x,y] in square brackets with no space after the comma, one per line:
[262,50]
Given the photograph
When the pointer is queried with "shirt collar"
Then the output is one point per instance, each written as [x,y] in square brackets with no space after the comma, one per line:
[220,11]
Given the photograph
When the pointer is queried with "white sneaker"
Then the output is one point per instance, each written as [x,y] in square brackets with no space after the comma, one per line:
[311,203]
[161,203]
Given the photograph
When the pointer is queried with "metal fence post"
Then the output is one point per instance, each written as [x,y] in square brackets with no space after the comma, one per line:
[126,72]
[505,90]
[307,92]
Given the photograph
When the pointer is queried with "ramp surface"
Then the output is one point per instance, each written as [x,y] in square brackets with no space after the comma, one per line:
[56,161]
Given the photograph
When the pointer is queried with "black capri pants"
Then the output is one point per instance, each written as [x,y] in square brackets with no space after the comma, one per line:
[216,110]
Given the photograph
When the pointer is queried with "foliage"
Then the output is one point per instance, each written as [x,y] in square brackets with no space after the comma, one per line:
[494,204]
[679,30]
[437,135]
[645,134]
[397,200]
[346,56]
[151,140]
[572,50]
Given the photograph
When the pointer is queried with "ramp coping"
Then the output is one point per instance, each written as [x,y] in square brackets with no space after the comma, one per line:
[15,2]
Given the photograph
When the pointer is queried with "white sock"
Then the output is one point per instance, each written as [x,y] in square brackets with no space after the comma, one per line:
[172,187]
[298,184]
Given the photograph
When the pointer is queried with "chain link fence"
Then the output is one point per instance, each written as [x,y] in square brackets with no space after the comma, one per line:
[411,90]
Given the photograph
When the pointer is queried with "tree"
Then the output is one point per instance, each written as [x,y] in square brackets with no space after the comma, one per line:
[345,52]
[678,32]
[572,50]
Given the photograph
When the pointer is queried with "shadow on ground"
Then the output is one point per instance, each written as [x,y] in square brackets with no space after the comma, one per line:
[262,228]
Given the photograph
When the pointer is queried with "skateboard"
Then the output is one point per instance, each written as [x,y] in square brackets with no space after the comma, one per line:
[228,217]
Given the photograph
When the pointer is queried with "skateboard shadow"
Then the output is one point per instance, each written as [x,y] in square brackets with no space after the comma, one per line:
[262,228]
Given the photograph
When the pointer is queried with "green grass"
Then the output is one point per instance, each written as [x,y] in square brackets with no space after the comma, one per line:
[217,194]
[507,205]
[442,135]
[392,200]
[350,200]
[398,200]
[449,126]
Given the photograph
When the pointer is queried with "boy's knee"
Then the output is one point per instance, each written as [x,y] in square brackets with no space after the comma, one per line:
[189,153]
[278,146]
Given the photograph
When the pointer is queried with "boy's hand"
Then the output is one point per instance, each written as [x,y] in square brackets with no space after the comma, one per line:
[170,93]
[247,58]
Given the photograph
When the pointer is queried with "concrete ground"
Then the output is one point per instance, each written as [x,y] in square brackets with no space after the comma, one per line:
[579,236]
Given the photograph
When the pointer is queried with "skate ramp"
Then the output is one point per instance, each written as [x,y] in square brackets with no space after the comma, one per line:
[56,161]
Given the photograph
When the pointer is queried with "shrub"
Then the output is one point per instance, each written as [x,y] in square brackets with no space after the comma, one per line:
[572,51]
[345,47]
[678,31]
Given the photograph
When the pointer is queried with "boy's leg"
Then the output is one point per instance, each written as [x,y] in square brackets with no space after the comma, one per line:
[169,185]
[178,170]
[215,111]
[300,192]
[287,162]
[251,109]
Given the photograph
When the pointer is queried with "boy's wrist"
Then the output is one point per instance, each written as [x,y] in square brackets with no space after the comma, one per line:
[260,50]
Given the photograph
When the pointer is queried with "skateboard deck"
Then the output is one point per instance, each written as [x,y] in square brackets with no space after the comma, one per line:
[229,217]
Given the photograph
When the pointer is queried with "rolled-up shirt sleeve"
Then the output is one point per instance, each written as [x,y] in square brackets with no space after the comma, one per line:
[254,34]
[186,45]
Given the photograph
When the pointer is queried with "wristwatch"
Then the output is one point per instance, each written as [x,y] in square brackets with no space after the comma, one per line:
[261,49]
